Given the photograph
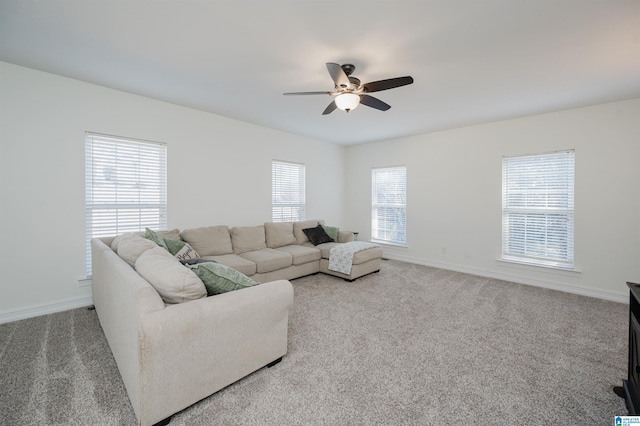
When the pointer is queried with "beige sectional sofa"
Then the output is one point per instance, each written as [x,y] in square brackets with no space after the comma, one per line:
[276,250]
[171,355]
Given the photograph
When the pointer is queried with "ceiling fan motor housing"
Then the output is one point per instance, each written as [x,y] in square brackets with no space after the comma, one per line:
[348,68]
[350,92]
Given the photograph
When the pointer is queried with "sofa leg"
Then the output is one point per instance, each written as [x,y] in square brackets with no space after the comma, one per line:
[163,422]
[272,363]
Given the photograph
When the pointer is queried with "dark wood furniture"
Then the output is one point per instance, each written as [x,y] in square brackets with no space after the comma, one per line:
[632,384]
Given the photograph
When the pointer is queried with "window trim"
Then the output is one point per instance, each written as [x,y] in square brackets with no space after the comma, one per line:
[545,262]
[94,159]
[301,206]
[374,205]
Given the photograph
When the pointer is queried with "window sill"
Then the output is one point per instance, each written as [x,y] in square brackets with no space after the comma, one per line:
[85,282]
[512,263]
[389,243]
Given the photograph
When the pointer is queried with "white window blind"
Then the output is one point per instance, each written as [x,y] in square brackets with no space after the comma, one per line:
[126,187]
[538,209]
[389,204]
[287,191]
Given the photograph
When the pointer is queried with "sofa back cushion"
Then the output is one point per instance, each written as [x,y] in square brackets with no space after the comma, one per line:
[209,240]
[173,281]
[301,237]
[173,234]
[247,238]
[116,241]
[131,246]
[279,234]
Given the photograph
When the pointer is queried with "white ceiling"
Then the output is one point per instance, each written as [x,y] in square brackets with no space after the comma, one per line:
[473,61]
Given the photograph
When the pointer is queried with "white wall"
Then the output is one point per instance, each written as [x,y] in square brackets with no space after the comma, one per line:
[454,195]
[219,172]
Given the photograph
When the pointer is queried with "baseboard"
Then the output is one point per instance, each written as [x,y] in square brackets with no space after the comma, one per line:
[44,309]
[78,302]
[519,279]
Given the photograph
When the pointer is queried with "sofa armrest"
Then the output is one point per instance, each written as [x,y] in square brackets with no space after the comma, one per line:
[193,349]
[345,236]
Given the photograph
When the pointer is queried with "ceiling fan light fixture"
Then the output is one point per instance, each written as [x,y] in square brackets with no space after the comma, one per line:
[347,101]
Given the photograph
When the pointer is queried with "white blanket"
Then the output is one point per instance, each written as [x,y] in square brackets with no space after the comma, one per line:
[341,255]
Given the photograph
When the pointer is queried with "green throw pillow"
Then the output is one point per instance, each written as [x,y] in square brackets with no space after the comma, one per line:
[150,234]
[181,250]
[174,246]
[218,278]
[332,231]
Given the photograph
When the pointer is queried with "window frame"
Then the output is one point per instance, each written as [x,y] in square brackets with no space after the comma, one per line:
[538,218]
[289,184]
[384,235]
[135,199]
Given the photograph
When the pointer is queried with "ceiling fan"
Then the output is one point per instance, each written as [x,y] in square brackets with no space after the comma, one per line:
[350,93]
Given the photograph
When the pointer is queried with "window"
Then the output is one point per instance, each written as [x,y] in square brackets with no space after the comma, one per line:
[537,209]
[126,187]
[287,192]
[389,204]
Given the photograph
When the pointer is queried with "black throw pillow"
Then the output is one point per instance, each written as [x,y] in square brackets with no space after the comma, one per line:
[317,235]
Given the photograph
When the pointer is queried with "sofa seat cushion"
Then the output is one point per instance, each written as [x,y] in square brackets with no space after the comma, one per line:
[301,254]
[209,240]
[279,234]
[234,261]
[268,260]
[324,248]
[248,238]
[173,282]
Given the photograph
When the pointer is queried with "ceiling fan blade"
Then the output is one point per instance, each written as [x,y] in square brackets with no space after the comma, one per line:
[372,102]
[332,106]
[307,93]
[391,83]
[338,75]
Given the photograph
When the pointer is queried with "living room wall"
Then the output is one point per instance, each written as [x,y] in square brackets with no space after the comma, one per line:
[219,172]
[454,195]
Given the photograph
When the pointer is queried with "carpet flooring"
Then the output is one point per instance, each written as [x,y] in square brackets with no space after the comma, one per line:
[411,345]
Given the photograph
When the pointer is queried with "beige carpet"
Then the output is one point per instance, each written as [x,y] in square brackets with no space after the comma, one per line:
[410,345]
